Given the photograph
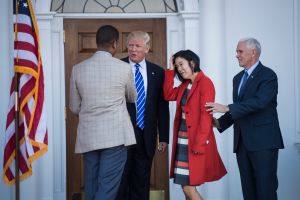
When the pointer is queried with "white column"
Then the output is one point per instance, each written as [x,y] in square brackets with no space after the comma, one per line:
[6,57]
[49,173]
[189,14]
[182,33]
[174,43]
[41,184]
[191,30]
[58,109]
[213,62]
[42,6]
[189,5]
[296,66]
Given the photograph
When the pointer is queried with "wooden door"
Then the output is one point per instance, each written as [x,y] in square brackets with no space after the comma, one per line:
[80,43]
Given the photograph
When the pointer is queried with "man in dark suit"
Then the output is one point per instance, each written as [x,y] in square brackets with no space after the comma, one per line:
[149,114]
[253,113]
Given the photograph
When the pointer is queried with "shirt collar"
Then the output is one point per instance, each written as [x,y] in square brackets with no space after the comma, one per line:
[252,68]
[142,63]
[103,52]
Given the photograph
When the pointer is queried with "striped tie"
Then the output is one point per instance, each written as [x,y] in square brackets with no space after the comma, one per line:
[141,98]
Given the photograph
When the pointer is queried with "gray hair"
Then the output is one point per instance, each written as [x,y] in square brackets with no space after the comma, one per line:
[252,43]
[140,35]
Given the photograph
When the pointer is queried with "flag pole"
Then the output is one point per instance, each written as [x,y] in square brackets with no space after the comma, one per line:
[26,103]
[17,114]
[17,149]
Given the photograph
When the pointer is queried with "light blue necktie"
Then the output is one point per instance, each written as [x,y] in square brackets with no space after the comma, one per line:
[141,97]
[244,80]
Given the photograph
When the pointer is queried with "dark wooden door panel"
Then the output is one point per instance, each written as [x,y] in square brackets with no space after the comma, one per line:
[80,43]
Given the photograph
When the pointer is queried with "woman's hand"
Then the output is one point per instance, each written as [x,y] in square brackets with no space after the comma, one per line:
[171,66]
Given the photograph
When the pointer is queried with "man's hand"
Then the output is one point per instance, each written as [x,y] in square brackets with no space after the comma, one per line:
[162,146]
[216,123]
[216,108]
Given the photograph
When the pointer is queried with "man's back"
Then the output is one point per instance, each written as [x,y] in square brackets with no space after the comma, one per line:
[98,89]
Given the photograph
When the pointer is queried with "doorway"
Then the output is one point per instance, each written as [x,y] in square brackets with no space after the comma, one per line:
[80,43]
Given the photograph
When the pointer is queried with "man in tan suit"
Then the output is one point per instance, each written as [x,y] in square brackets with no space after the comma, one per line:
[99,89]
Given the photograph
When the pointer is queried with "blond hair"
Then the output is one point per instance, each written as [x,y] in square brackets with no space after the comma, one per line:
[139,35]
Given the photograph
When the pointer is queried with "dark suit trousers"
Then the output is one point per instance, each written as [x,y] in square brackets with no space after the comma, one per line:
[103,172]
[258,171]
[135,184]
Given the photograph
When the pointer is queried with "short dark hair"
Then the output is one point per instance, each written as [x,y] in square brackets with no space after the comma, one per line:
[190,56]
[106,35]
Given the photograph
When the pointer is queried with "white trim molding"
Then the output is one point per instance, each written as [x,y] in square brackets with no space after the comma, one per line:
[58,107]
[189,5]
[297,71]
[191,29]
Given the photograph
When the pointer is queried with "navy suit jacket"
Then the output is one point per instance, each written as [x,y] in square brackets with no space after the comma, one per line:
[253,112]
[156,112]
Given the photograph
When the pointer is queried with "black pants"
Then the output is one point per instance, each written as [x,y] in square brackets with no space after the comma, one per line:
[258,171]
[135,184]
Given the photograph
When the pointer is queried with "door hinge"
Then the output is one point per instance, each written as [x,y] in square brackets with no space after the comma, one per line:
[64,36]
[65,113]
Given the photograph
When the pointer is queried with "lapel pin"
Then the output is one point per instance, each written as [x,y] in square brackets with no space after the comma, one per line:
[153,73]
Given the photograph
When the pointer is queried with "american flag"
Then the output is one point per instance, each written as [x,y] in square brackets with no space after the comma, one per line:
[32,122]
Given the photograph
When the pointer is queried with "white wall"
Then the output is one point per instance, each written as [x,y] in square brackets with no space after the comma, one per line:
[6,67]
[43,184]
[273,23]
[212,59]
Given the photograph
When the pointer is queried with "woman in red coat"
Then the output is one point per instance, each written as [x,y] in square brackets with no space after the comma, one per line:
[195,158]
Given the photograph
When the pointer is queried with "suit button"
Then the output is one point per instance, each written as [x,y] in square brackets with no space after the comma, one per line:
[189,126]
[187,113]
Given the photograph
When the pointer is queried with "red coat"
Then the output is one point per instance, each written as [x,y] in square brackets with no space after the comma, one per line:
[207,166]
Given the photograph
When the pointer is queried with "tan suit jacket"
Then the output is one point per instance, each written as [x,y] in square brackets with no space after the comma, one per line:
[99,89]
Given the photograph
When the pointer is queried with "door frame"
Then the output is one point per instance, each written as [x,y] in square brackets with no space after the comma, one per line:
[176,25]
[76,52]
